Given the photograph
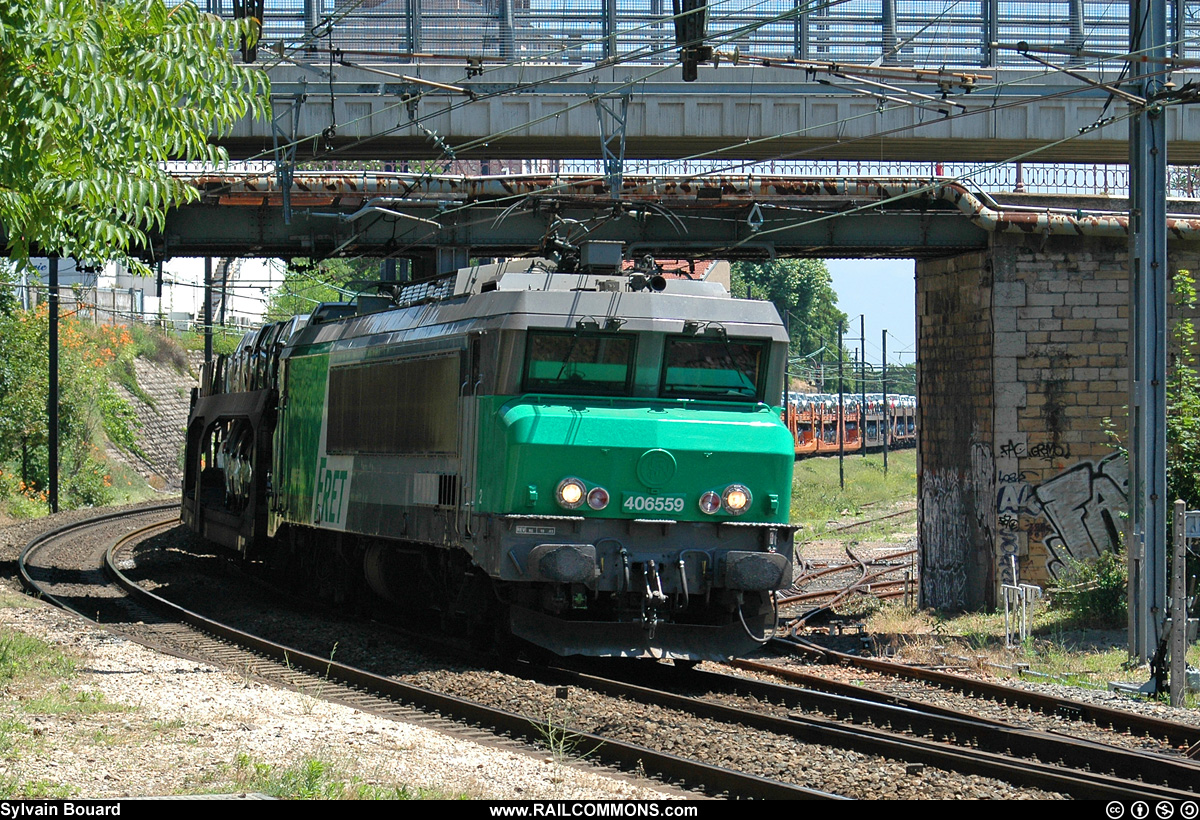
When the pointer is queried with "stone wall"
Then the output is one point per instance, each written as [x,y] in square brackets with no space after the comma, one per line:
[1023,379]
[161,423]
[954,401]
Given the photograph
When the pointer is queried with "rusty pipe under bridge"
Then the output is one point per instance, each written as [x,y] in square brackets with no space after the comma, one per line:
[385,214]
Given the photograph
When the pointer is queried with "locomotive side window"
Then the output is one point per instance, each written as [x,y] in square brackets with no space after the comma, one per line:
[714,368]
[578,363]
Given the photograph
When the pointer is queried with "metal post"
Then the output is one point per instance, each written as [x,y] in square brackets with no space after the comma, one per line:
[508,48]
[800,31]
[224,269]
[888,45]
[1179,28]
[1179,610]
[1148,294]
[208,324]
[312,18]
[841,431]
[414,26]
[1075,37]
[887,421]
[52,394]
[610,28]
[862,381]
[991,32]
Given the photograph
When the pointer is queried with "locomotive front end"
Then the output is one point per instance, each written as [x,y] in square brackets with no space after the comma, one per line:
[638,492]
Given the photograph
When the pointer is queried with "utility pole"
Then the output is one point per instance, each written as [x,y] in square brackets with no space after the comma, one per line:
[841,416]
[887,421]
[52,394]
[208,324]
[1148,297]
[862,381]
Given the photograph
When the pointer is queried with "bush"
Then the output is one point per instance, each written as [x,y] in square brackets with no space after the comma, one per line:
[1094,592]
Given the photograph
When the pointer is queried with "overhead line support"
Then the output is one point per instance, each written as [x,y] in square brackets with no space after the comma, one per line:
[1146,552]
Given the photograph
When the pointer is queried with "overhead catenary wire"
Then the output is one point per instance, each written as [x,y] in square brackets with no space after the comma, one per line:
[636,54]
[875,135]
[781,156]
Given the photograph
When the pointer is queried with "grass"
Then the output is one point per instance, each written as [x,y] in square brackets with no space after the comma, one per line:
[1066,647]
[64,700]
[315,778]
[819,504]
[1058,647]
[12,789]
[34,677]
[24,657]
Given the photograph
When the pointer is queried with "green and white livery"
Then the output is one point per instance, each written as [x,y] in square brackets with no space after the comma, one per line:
[591,461]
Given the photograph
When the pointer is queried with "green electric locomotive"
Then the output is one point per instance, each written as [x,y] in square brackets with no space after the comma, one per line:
[589,461]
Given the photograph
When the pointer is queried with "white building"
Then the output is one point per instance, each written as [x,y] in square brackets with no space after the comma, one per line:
[113,294]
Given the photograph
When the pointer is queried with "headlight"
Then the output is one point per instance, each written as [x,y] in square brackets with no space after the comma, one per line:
[736,499]
[570,493]
[598,498]
[710,502]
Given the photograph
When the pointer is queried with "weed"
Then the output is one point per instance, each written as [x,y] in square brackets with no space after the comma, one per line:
[64,701]
[12,789]
[563,742]
[316,779]
[819,503]
[1093,592]
[23,655]
[172,725]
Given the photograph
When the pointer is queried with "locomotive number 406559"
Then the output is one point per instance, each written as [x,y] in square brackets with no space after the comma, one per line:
[636,502]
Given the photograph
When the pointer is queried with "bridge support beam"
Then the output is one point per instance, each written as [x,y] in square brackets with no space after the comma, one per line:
[1024,352]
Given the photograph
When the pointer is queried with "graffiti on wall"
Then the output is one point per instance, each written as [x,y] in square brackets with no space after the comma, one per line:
[1075,514]
[945,532]
[1084,505]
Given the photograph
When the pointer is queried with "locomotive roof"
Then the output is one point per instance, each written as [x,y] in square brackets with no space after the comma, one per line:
[517,296]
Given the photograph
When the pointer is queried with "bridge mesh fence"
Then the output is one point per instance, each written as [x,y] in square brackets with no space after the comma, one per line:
[1031,178]
[918,33]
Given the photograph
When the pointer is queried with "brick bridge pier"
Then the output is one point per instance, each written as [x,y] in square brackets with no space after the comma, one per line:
[1024,370]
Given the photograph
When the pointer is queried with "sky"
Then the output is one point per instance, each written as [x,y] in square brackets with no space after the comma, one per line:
[882,290]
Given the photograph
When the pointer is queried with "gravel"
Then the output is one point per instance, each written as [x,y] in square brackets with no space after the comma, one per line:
[182,726]
[188,724]
[142,723]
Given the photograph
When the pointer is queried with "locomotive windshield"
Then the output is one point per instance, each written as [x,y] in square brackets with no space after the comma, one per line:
[580,363]
[713,368]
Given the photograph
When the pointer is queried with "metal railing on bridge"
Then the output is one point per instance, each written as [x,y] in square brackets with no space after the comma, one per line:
[918,33]
[1183,182]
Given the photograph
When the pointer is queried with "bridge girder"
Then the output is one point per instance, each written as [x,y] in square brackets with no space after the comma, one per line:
[401,215]
[732,217]
[732,112]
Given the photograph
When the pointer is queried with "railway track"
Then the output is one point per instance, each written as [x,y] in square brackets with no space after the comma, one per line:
[948,740]
[156,621]
[909,731]
[1176,734]
[820,588]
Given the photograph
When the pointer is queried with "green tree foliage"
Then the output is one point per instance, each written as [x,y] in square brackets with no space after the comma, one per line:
[802,292]
[1183,399]
[90,408]
[1094,592]
[96,98]
[307,283]
[802,288]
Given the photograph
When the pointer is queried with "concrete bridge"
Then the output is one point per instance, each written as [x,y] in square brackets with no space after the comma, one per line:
[863,79]
[436,111]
